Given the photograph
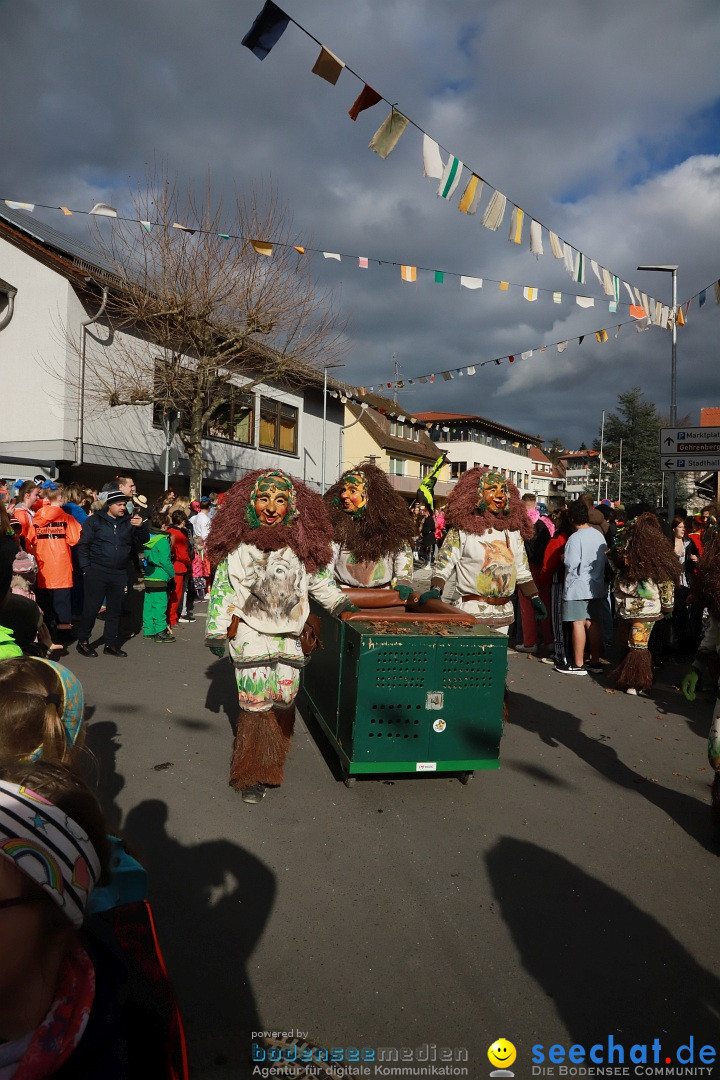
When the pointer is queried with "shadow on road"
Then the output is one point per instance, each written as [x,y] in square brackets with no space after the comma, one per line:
[609,967]
[222,695]
[211,901]
[557,728]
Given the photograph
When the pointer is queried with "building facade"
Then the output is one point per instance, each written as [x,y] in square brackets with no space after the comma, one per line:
[379,428]
[472,441]
[51,316]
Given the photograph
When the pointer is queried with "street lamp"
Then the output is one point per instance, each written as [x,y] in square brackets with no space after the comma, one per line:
[324,420]
[671,269]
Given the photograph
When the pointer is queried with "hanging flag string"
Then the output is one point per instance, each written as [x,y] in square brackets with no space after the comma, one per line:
[601,336]
[265,248]
[272,22]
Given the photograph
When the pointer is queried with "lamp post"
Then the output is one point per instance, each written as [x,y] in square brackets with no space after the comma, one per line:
[671,269]
[324,422]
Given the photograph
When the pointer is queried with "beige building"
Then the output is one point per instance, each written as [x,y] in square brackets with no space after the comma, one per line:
[382,430]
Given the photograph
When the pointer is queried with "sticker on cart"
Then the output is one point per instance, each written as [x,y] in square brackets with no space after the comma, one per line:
[439,724]
[426,766]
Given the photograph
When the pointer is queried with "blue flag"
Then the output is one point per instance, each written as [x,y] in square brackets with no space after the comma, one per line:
[266,31]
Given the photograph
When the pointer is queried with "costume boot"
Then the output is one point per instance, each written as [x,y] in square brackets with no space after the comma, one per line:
[260,749]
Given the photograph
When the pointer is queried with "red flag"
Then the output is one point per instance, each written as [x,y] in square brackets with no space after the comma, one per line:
[365,100]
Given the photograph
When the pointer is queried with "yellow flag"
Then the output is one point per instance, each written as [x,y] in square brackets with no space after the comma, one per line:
[408,273]
[300,250]
[262,247]
[680,317]
[471,196]
[504,286]
[601,335]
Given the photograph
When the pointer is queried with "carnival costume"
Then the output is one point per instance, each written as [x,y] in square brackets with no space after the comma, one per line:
[706,593]
[644,589]
[372,529]
[484,546]
[270,544]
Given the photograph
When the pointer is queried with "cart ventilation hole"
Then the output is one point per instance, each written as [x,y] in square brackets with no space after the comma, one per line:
[407,668]
[394,727]
[467,670]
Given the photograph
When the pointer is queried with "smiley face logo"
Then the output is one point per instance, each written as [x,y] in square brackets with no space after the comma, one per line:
[502,1054]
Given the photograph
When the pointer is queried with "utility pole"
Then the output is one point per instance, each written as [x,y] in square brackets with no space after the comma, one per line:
[602,436]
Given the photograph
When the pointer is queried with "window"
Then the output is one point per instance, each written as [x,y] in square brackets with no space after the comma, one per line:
[234,420]
[424,470]
[397,466]
[408,431]
[278,426]
[393,427]
[416,434]
[457,468]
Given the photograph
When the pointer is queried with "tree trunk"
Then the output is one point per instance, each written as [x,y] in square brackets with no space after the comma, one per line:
[193,446]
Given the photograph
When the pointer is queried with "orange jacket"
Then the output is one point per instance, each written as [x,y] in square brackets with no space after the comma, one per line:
[55,533]
[25,517]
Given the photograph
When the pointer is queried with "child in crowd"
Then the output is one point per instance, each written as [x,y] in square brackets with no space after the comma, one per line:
[159,572]
[41,711]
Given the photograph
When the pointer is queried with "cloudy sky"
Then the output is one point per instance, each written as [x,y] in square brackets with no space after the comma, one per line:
[602,121]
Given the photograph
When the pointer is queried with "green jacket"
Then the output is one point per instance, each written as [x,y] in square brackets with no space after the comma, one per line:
[159,569]
[8,647]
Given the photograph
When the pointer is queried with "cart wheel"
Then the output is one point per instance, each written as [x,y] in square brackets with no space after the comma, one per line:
[349,781]
[465,777]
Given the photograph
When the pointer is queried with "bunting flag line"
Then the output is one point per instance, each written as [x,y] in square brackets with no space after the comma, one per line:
[264,33]
[601,336]
[660,314]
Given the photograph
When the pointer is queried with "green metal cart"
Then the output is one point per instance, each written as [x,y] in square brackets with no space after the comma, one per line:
[408,697]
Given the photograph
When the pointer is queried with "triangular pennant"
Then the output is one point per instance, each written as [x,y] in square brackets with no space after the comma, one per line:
[299,248]
[262,247]
[101,209]
[19,205]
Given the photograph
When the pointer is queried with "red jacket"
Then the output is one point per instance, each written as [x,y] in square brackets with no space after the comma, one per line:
[55,533]
[551,559]
[180,550]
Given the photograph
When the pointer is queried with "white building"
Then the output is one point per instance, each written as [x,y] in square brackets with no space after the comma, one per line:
[547,480]
[51,291]
[580,468]
[472,441]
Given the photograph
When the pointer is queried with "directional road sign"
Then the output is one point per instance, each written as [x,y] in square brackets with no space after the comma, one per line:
[683,441]
[694,463]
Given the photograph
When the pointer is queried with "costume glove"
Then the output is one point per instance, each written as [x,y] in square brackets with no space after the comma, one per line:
[689,684]
[431,594]
[404,591]
[539,608]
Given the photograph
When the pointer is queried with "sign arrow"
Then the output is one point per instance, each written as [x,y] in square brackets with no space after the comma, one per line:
[669,441]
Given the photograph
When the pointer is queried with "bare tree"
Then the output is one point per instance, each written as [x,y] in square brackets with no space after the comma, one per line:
[192,306]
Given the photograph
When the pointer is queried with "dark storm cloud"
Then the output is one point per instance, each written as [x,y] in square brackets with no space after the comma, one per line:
[567,108]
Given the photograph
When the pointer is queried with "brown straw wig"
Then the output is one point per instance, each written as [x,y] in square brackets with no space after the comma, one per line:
[308,536]
[385,524]
[462,510]
[648,554]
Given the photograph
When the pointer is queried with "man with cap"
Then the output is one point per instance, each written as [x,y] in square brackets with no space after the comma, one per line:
[104,553]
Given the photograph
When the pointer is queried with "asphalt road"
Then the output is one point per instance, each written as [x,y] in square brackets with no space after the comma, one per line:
[569,896]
